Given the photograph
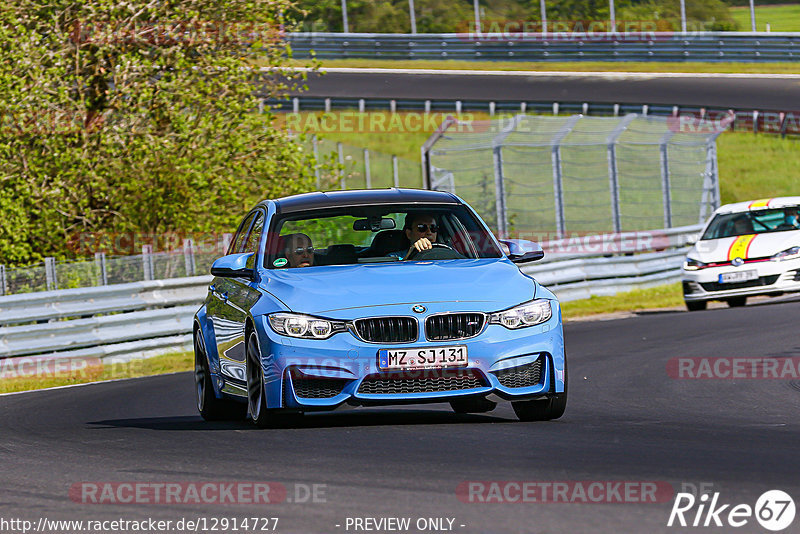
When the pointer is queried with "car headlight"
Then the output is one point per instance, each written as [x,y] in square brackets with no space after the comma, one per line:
[305,326]
[528,314]
[692,265]
[788,254]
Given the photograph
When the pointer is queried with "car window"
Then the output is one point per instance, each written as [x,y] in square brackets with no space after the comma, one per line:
[335,240]
[241,233]
[750,222]
[254,236]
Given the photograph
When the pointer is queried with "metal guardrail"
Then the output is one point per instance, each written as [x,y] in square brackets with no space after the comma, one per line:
[747,120]
[553,46]
[132,320]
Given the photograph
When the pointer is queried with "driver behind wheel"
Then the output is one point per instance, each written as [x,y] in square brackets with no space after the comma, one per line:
[421,230]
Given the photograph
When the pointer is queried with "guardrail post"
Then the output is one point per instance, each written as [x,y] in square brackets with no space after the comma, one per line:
[296,105]
[3,285]
[367,173]
[395,171]
[555,108]
[188,256]
[361,105]
[102,274]
[458,106]
[340,149]
[393,106]
[427,106]
[327,105]
[492,107]
[147,262]
[523,107]
[50,273]
[616,110]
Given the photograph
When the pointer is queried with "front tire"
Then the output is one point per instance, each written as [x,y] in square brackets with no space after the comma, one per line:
[256,397]
[547,409]
[210,407]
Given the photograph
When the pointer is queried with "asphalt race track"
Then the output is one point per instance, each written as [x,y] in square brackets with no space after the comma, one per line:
[744,92]
[626,420]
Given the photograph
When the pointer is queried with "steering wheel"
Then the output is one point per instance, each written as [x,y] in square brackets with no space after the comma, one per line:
[440,251]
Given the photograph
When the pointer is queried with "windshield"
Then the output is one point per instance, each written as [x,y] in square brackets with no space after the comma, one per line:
[381,234]
[752,222]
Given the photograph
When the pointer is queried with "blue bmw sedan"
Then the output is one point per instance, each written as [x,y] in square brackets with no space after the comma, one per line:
[375,298]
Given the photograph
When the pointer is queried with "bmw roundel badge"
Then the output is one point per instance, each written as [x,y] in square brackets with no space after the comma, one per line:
[737,262]
[419,308]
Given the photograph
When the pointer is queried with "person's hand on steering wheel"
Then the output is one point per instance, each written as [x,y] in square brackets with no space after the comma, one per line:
[423,243]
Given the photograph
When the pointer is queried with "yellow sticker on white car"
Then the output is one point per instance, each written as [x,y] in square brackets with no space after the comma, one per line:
[740,247]
[763,203]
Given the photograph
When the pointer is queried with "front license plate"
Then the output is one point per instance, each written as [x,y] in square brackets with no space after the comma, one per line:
[429,357]
[738,276]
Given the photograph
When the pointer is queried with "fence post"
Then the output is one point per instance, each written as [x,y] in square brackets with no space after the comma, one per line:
[315,147]
[188,256]
[395,171]
[227,238]
[613,177]
[102,274]
[558,186]
[367,174]
[3,286]
[499,186]
[340,149]
[147,262]
[50,273]
[666,187]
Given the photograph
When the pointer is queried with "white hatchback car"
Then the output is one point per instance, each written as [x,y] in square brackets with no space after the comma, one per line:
[747,248]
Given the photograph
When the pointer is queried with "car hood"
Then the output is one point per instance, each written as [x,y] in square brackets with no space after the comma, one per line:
[760,246]
[344,290]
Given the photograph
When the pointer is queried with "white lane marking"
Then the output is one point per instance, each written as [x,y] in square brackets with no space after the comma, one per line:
[552,74]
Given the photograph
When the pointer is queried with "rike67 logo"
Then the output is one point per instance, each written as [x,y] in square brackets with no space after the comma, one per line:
[774,510]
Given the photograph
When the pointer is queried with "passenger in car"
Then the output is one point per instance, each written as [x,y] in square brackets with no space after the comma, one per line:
[298,250]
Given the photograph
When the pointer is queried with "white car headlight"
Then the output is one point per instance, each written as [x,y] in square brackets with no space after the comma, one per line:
[528,314]
[305,326]
[788,254]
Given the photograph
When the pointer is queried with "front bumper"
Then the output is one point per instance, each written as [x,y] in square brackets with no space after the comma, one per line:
[773,278]
[311,374]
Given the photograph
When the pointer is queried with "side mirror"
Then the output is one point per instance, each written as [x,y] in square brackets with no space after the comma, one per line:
[234,266]
[522,251]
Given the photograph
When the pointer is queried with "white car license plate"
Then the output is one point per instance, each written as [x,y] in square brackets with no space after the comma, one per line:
[738,276]
[429,357]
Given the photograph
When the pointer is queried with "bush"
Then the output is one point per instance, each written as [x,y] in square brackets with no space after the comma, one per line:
[138,118]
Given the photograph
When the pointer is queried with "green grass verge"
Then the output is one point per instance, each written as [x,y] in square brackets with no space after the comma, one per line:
[157,365]
[577,66]
[781,17]
[666,296]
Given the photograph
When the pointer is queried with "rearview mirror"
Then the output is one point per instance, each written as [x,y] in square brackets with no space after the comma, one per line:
[374,224]
[233,266]
[523,251]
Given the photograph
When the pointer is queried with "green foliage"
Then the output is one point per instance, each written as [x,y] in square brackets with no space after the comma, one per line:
[130,118]
[702,15]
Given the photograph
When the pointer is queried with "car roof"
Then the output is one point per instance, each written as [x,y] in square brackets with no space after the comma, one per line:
[760,204]
[362,197]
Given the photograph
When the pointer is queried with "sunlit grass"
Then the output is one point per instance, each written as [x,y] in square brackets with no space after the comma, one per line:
[157,365]
[781,18]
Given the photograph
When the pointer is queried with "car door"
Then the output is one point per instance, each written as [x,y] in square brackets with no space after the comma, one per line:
[224,316]
[237,297]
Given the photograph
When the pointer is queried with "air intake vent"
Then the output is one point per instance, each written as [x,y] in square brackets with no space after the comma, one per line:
[450,326]
[314,387]
[421,381]
[387,329]
[522,376]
